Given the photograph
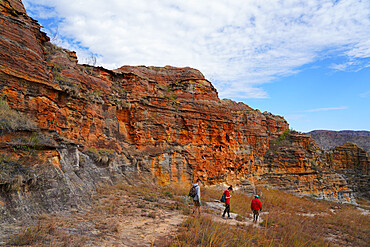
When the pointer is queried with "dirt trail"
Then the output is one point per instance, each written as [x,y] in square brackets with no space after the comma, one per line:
[217,209]
[157,226]
[145,230]
[117,220]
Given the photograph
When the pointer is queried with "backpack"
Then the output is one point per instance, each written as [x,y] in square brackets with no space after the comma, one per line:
[223,198]
[193,191]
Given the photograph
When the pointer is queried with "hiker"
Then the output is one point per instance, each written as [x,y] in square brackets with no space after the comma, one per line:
[256,206]
[227,202]
[196,197]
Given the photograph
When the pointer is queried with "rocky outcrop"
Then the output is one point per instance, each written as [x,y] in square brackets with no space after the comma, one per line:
[296,164]
[35,181]
[353,162]
[86,125]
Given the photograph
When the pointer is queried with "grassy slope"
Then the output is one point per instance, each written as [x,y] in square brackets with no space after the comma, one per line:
[290,221]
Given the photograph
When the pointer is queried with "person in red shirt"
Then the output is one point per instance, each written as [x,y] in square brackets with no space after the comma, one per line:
[227,202]
[256,206]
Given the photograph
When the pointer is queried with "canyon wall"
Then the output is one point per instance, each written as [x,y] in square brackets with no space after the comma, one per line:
[67,128]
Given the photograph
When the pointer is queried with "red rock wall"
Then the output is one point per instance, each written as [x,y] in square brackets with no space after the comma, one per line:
[297,164]
[21,44]
[168,122]
[353,162]
[349,157]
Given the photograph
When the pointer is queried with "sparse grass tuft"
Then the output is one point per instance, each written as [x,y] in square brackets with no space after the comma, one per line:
[32,234]
[203,231]
[12,120]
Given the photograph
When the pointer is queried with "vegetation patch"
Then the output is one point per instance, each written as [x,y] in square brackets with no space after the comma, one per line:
[65,84]
[13,176]
[103,157]
[46,232]
[12,120]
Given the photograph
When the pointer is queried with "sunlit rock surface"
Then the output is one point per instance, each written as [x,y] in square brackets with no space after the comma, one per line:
[86,126]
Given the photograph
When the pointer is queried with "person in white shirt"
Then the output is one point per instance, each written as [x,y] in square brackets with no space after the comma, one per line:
[196,198]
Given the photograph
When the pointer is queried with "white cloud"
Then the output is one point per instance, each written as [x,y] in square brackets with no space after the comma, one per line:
[327,109]
[240,44]
[361,49]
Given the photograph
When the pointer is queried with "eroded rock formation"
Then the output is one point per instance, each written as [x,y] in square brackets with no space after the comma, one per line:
[88,125]
[353,162]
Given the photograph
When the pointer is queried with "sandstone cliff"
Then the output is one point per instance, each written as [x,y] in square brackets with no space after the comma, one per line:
[80,126]
[353,162]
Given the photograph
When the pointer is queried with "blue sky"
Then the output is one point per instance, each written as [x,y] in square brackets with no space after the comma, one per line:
[308,61]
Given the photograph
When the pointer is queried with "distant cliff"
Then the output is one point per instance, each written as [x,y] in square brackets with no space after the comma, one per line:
[67,128]
[328,139]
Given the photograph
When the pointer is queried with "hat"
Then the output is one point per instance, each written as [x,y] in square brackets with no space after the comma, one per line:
[198,180]
[256,196]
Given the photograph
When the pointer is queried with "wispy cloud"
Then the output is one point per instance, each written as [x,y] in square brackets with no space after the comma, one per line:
[365,94]
[327,109]
[352,66]
[241,44]
[342,66]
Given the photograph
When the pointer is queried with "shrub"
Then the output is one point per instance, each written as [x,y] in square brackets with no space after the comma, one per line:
[284,136]
[65,84]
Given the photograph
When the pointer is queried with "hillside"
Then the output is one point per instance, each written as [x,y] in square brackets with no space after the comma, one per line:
[328,139]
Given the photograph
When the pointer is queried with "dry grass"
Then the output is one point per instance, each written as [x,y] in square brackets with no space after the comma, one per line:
[11,120]
[46,232]
[110,205]
[290,221]
[315,220]
[203,231]
[33,234]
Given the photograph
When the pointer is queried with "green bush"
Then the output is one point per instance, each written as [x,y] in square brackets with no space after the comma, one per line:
[285,135]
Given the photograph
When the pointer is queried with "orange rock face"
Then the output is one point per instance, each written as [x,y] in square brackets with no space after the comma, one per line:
[167,122]
[353,162]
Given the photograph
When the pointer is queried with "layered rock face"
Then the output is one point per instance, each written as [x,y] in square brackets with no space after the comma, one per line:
[84,125]
[353,162]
